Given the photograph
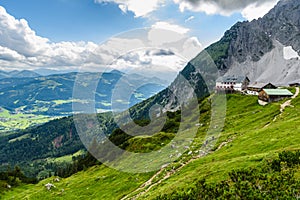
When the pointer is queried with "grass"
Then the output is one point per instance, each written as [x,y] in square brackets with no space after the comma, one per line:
[252,137]
[66,158]
[60,102]
[98,182]
[10,121]
[253,142]
[20,138]
[21,120]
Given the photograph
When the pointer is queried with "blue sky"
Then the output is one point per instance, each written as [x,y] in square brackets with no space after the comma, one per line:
[76,20]
[72,20]
[67,33]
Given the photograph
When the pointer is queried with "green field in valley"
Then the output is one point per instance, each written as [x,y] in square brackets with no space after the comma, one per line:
[14,121]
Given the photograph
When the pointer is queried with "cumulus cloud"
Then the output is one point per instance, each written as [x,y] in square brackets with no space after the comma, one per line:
[165,32]
[161,63]
[250,9]
[7,54]
[257,10]
[138,7]
[16,34]
[22,48]
[20,44]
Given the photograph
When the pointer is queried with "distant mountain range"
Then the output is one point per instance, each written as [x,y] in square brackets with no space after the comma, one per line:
[52,95]
[18,74]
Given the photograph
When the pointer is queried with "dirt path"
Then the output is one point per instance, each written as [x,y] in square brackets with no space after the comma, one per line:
[144,188]
[288,103]
[284,105]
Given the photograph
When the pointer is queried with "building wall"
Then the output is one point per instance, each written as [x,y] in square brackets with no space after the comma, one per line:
[251,92]
[229,86]
[263,96]
[238,87]
[222,86]
[276,98]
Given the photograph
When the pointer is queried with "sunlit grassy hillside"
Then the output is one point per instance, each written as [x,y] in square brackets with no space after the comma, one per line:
[250,136]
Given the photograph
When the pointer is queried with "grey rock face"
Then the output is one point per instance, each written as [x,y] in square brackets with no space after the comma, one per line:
[283,23]
[254,39]
[246,43]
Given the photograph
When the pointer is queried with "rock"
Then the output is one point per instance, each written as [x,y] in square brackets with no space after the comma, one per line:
[49,186]
[56,180]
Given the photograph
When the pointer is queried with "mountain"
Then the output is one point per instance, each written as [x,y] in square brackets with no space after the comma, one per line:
[57,138]
[52,95]
[255,49]
[18,74]
[47,72]
[261,49]
[250,139]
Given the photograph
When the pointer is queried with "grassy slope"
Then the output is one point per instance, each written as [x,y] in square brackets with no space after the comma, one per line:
[251,142]
[98,182]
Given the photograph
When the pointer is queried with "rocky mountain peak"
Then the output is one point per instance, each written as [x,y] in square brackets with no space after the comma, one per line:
[248,48]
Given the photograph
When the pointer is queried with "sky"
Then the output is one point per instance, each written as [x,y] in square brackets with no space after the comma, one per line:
[126,34]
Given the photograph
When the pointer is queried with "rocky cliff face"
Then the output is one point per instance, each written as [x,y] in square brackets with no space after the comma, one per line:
[282,23]
[257,48]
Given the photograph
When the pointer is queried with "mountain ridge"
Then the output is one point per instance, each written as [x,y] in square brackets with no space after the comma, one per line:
[18,74]
[52,95]
[248,48]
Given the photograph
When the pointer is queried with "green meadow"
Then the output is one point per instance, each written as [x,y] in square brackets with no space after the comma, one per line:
[252,135]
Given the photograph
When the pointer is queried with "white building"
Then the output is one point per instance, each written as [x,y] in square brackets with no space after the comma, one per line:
[232,83]
[255,88]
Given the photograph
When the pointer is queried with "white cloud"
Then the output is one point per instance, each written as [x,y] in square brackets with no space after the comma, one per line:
[227,7]
[123,8]
[7,54]
[191,47]
[164,32]
[255,10]
[21,48]
[250,9]
[189,19]
[17,35]
[161,63]
[140,8]
[171,27]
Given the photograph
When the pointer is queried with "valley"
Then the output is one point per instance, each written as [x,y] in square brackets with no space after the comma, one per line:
[35,100]
[227,127]
[15,121]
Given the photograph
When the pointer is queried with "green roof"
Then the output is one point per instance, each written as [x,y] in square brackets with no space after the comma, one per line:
[278,92]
